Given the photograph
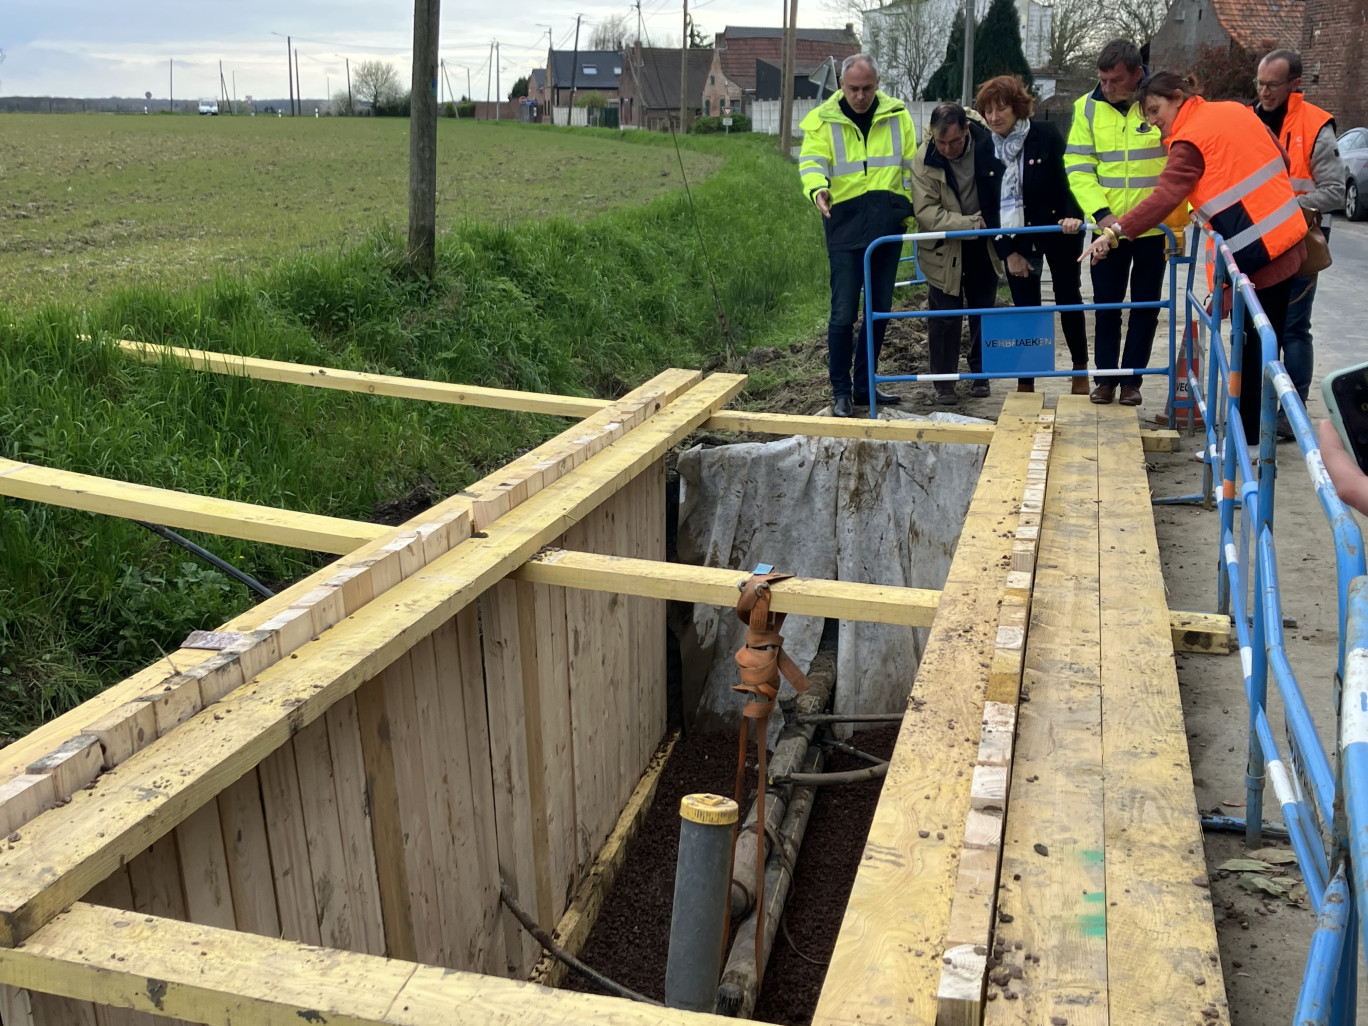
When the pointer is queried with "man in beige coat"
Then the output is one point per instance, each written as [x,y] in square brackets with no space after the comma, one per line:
[956,186]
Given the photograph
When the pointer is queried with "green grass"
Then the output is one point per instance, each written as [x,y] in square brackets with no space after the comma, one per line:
[579,306]
[96,202]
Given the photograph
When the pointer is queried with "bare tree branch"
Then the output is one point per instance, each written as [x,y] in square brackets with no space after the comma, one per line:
[907,40]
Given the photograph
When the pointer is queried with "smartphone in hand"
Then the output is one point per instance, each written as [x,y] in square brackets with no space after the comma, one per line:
[1346,397]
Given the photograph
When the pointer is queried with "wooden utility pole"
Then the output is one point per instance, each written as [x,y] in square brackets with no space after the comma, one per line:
[574,60]
[790,52]
[498,86]
[422,238]
[684,74]
[967,81]
[170,85]
[299,86]
[350,108]
[289,71]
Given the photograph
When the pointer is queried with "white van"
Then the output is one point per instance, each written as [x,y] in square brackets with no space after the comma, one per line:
[208,107]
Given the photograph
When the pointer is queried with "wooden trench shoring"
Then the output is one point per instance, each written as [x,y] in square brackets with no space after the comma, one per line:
[312,823]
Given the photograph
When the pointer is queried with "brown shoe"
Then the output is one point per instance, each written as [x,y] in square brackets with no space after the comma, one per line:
[1103,394]
[1130,396]
[1026,385]
[1080,384]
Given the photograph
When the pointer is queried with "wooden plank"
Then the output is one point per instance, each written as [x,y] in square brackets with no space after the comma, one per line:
[289,844]
[1055,901]
[183,510]
[484,897]
[16,1007]
[204,869]
[337,916]
[72,764]
[546,622]
[368,384]
[575,925]
[647,399]
[354,816]
[24,797]
[92,953]
[508,743]
[51,1010]
[249,857]
[156,880]
[377,749]
[1153,834]
[1201,632]
[853,427]
[1159,440]
[64,852]
[887,960]
[656,579]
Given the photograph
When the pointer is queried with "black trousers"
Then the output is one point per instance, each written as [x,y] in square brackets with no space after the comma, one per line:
[1062,253]
[1142,262]
[1274,301]
[978,290]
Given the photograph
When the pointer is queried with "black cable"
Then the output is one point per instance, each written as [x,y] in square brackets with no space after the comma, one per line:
[208,557]
[688,192]
[530,925]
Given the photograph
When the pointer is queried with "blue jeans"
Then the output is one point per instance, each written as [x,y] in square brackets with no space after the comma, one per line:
[1297,353]
[847,281]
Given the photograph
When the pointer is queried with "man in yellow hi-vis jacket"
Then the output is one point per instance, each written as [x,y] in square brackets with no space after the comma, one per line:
[1114,158]
[857,147]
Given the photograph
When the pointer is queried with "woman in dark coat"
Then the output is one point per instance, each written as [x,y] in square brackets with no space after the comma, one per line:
[1035,191]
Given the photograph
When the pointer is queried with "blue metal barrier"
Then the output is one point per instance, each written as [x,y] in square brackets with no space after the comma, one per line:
[871,316]
[1324,801]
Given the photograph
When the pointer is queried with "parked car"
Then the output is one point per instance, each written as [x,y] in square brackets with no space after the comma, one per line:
[1353,150]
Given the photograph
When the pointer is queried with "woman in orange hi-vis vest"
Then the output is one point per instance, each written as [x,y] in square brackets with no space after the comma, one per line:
[1234,172]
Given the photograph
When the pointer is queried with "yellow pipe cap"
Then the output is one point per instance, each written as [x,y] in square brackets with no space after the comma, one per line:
[710,809]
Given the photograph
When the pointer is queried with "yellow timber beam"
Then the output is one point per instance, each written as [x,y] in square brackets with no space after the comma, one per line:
[1159,440]
[371,384]
[877,603]
[67,850]
[206,974]
[184,510]
[915,607]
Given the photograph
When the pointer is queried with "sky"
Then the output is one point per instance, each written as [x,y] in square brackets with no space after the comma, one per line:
[94,48]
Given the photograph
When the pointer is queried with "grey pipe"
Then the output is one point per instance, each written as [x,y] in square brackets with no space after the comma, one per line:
[702,878]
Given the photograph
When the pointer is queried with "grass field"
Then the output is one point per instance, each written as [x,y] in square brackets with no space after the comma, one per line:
[95,202]
[575,303]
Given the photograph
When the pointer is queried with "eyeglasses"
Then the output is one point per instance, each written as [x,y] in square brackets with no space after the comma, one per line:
[1269,86]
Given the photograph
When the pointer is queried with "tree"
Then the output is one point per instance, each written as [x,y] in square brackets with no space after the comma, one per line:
[698,39]
[611,33]
[1136,20]
[905,38]
[593,99]
[375,83]
[945,81]
[520,88]
[1227,72]
[1075,36]
[997,45]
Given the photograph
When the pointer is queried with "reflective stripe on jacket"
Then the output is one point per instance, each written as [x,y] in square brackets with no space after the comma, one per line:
[1245,194]
[1113,160]
[1301,125]
[871,193]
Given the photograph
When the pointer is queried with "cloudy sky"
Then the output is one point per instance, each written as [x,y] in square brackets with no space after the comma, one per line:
[101,48]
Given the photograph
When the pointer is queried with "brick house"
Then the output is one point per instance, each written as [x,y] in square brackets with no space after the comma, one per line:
[1256,25]
[650,86]
[598,71]
[731,77]
[1334,40]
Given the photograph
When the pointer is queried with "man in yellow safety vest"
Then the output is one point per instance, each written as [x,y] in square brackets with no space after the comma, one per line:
[1318,176]
[857,147]
[1113,158]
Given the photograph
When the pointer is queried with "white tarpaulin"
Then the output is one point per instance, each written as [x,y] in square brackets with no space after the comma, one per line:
[836,508]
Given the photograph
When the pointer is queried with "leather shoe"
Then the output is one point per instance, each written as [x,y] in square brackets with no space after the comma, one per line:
[979,389]
[1285,432]
[1130,396]
[1103,394]
[946,396]
[1080,384]
[885,398]
[843,407]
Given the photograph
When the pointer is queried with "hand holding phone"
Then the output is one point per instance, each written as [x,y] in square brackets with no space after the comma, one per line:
[1350,482]
[1346,397]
